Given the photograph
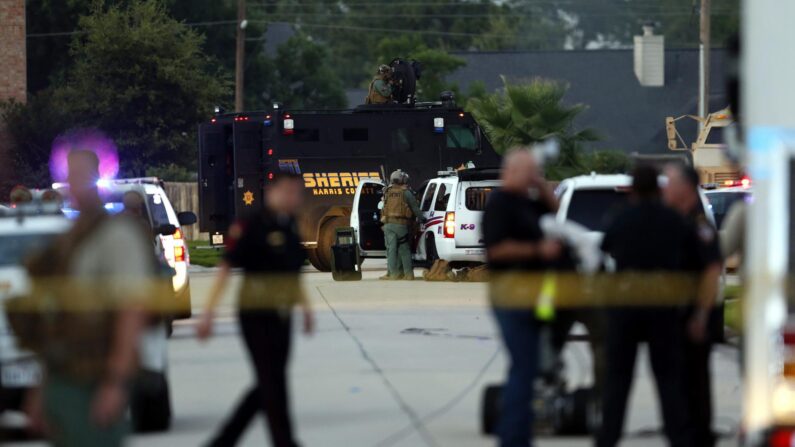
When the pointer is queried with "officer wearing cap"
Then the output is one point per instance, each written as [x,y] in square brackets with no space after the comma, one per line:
[380,91]
[645,238]
[399,211]
[702,324]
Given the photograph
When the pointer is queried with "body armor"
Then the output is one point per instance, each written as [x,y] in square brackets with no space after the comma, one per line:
[396,210]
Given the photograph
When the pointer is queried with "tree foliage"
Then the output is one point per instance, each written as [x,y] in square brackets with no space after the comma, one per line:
[526,113]
[137,75]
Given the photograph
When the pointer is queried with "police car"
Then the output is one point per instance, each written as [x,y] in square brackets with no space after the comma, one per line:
[722,197]
[166,223]
[591,200]
[23,230]
[451,207]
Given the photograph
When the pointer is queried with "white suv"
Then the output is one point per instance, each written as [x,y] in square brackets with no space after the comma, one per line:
[22,231]
[451,206]
[172,246]
[591,200]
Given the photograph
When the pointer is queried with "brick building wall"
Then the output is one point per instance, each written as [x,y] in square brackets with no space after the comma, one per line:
[13,72]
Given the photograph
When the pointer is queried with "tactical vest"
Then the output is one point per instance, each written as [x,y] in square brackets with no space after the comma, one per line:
[373,96]
[396,210]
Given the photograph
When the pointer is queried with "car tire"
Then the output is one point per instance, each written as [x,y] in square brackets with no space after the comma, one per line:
[321,258]
[490,409]
[150,403]
[431,255]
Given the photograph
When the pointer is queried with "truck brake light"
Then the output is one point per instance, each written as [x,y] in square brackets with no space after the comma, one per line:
[178,234]
[449,225]
[179,253]
[782,438]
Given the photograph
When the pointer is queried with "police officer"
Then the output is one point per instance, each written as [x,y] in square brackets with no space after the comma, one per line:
[515,244]
[268,249]
[399,211]
[643,238]
[702,326]
[380,91]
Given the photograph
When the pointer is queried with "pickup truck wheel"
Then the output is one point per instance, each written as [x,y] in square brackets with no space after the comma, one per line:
[431,255]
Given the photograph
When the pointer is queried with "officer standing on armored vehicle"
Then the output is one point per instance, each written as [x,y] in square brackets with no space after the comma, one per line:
[399,210]
[380,88]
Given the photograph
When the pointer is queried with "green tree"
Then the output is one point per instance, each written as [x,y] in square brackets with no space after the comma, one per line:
[137,75]
[303,77]
[526,113]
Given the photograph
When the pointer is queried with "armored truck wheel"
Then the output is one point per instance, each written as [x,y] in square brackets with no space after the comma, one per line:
[320,257]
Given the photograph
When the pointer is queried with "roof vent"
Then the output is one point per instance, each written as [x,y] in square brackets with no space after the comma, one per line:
[650,57]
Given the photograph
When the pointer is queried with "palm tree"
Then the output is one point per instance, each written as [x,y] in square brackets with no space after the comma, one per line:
[525,113]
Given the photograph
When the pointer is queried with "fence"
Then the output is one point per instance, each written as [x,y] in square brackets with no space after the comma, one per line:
[184,196]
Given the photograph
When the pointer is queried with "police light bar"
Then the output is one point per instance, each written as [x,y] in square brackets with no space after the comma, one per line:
[438,125]
[267,122]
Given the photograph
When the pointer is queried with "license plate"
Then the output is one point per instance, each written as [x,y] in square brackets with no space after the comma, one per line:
[218,239]
[18,375]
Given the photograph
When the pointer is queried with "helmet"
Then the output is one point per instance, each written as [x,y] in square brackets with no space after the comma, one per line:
[384,69]
[398,177]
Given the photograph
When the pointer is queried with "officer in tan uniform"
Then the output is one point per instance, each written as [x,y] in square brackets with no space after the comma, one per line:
[399,211]
[380,88]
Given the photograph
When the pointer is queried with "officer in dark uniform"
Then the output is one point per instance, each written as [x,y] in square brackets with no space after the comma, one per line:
[268,249]
[646,237]
[515,245]
[703,325]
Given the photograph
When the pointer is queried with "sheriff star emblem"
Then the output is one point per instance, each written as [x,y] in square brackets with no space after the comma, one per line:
[248,198]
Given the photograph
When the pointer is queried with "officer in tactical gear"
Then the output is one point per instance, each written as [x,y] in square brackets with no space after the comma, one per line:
[381,87]
[399,211]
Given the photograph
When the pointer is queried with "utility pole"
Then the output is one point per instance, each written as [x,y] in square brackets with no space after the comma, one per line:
[240,55]
[703,62]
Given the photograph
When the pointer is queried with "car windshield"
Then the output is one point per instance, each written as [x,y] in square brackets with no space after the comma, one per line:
[721,202]
[592,207]
[14,249]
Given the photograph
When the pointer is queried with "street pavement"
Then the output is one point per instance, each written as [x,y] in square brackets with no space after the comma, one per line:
[391,364]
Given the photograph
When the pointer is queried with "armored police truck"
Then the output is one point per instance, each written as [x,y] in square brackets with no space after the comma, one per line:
[332,150]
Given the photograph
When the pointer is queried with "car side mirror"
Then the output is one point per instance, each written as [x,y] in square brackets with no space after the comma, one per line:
[165,230]
[187,218]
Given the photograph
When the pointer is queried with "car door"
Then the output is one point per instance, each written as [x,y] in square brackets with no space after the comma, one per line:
[470,203]
[366,218]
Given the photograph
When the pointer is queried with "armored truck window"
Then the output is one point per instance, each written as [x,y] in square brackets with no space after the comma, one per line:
[442,197]
[355,134]
[307,135]
[461,137]
[426,202]
[400,140]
